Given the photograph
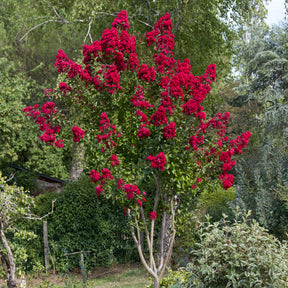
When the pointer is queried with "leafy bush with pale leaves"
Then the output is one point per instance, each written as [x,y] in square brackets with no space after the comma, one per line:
[239,254]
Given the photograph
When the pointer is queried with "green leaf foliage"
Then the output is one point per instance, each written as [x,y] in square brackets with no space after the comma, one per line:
[260,185]
[82,221]
[238,254]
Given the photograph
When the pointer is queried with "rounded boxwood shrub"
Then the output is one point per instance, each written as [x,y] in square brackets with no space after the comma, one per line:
[239,254]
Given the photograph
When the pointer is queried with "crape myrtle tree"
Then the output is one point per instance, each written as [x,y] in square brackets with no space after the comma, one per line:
[139,113]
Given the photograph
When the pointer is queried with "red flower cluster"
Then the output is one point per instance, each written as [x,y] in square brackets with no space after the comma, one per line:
[143,118]
[77,133]
[132,192]
[143,132]
[146,74]
[153,215]
[107,131]
[169,130]
[48,108]
[114,160]
[195,141]
[42,118]
[112,79]
[116,50]
[96,177]
[235,147]
[63,87]
[240,142]
[121,21]
[133,63]
[161,35]
[138,99]
[159,117]
[158,161]
[227,180]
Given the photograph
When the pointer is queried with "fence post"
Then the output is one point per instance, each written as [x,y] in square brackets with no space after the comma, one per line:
[46,248]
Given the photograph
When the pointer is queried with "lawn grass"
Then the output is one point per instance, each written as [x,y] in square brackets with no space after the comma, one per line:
[126,278]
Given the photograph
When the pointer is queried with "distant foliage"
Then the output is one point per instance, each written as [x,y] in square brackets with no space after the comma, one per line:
[265,76]
[260,186]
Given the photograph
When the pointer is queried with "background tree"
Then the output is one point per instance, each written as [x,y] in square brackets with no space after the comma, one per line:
[261,95]
[15,205]
[38,28]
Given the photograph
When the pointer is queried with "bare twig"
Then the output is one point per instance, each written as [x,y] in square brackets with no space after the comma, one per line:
[33,28]
[88,32]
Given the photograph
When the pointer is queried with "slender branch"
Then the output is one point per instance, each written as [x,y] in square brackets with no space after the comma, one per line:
[88,32]
[33,28]
[141,252]
[142,22]
[34,217]
[152,262]
[162,241]
[55,11]
[62,20]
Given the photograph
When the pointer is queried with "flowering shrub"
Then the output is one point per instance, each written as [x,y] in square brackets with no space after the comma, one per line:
[152,126]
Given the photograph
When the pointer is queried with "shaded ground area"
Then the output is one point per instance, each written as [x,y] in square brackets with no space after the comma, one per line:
[118,276]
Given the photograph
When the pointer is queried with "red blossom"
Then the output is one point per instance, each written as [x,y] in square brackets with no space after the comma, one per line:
[127,44]
[169,130]
[95,176]
[131,190]
[158,161]
[227,180]
[77,133]
[159,117]
[99,190]
[106,174]
[121,21]
[120,184]
[138,99]
[48,108]
[133,63]
[109,41]
[112,79]
[59,143]
[146,74]
[114,160]
[63,87]
[143,133]
[153,215]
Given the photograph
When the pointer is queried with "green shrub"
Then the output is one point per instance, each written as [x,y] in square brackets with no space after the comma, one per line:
[81,221]
[239,254]
[174,279]
[214,202]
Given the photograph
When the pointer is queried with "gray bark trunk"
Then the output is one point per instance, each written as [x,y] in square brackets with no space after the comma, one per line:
[167,239]
[77,161]
[9,263]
